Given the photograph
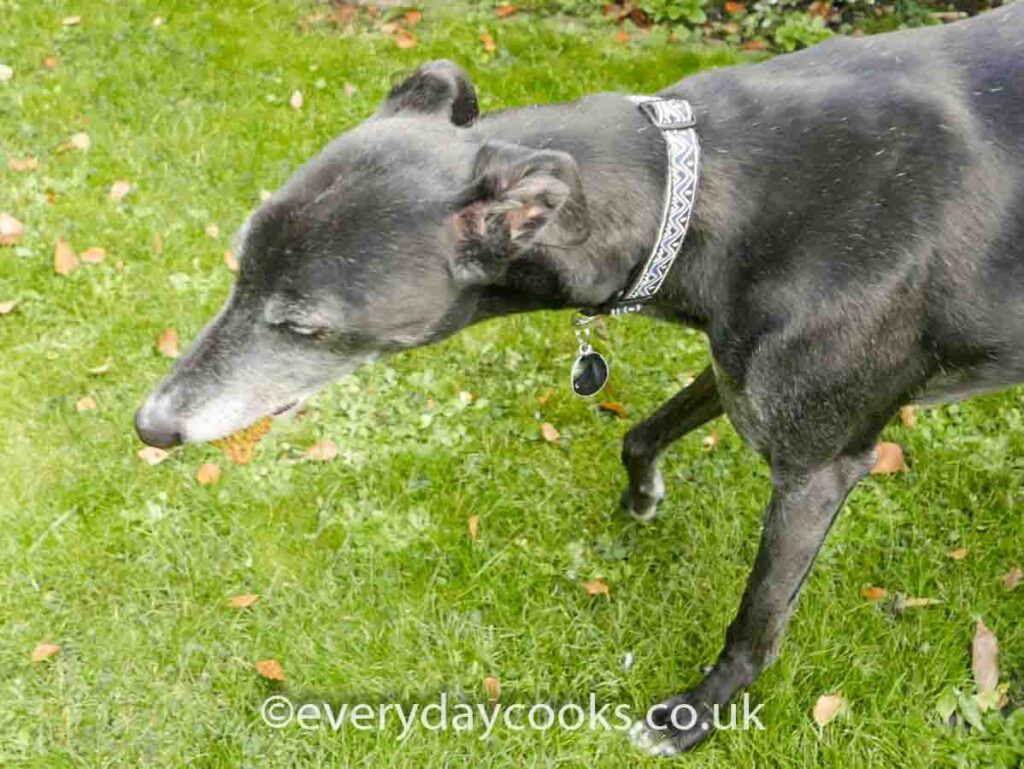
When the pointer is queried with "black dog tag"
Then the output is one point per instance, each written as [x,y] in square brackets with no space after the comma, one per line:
[589,373]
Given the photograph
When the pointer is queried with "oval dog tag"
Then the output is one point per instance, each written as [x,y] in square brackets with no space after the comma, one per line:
[589,373]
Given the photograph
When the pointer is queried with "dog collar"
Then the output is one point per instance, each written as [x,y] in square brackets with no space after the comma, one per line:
[674,118]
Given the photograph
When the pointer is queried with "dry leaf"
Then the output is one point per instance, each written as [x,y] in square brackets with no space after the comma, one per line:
[243,601]
[733,7]
[167,343]
[85,404]
[957,555]
[208,473]
[270,669]
[6,308]
[230,261]
[103,368]
[6,73]
[545,396]
[549,432]
[413,17]
[908,416]
[711,442]
[873,593]
[1010,581]
[827,708]
[595,587]
[119,189]
[614,408]
[11,230]
[296,100]
[405,39]
[909,602]
[151,455]
[323,451]
[80,141]
[50,62]
[65,261]
[20,165]
[93,255]
[754,45]
[240,446]
[212,231]
[349,89]
[488,42]
[492,686]
[506,9]
[390,27]
[474,527]
[985,658]
[622,36]
[71,21]
[44,651]
[890,459]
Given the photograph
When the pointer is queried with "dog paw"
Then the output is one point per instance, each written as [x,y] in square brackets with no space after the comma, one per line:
[642,504]
[675,726]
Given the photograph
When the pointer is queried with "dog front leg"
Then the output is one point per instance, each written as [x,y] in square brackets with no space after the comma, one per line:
[691,407]
[801,511]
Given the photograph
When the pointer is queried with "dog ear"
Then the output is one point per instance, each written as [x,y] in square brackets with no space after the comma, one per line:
[437,89]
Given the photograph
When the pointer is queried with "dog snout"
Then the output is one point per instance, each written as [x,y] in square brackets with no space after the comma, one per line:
[156,427]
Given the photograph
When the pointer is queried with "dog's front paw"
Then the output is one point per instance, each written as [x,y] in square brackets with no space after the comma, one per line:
[674,726]
[642,503]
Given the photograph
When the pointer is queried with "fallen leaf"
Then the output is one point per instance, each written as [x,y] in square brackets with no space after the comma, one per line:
[11,230]
[711,442]
[322,451]
[65,261]
[80,141]
[44,651]
[1010,581]
[890,459]
[622,36]
[270,669]
[240,446]
[873,593]
[474,527]
[51,62]
[412,17]
[908,416]
[733,7]
[492,686]
[243,601]
[549,432]
[93,255]
[6,73]
[909,602]
[85,404]
[296,100]
[507,9]
[957,555]
[167,343]
[21,165]
[488,42]
[212,231]
[230,261]
[208,473]
[827,708]
[614,408]
[390,27]
[595,587]
[71,21]
[119,189]
[985,658]
[405,39]
[103,368]
[6,308]
[545,396]
[151,455]
[349,89]
[754,45]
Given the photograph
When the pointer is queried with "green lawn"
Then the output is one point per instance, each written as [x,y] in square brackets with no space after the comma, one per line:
[371,588]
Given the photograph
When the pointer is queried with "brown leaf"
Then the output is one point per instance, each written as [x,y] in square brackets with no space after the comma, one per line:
[51,62]
[243,601]
[350,89]
[890,459]
[167,343]
[93,255]
[827,708]
[413,17]
[712,440]
[11,230]
[151,455]
[492,687]
[270,669]
[549,432]
[65,261]
[208,473]
[957,555]
[240,446]
[119,189]
[296,100]
[474,527]
[80,141]
[908,416]
[507,9]
[545,396]
[613,407]
[85,404]
[873,593]
[21,165]
[985,658]
[322,451]
[230,261]
[622,36]
[71,21]
[732,7]
[44,651]
[488,42]
[754,45]
[212,231]
[405,39]
[595,587]
[1010,581]
[6,308]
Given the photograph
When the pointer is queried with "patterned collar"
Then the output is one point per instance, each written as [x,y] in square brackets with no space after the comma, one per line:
[674,118]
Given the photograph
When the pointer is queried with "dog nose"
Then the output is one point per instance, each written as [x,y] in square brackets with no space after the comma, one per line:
[156,430]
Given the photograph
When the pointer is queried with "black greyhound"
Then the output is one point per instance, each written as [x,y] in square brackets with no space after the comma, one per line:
[858,244]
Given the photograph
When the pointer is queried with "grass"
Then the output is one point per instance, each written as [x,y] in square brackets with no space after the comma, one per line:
[371,588]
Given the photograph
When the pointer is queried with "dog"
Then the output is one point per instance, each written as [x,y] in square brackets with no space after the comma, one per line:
[857,244]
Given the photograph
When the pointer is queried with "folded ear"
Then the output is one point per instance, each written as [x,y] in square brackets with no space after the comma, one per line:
[439,89]
[521,196]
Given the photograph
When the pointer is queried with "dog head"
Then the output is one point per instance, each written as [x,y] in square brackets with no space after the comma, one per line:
[390,238]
